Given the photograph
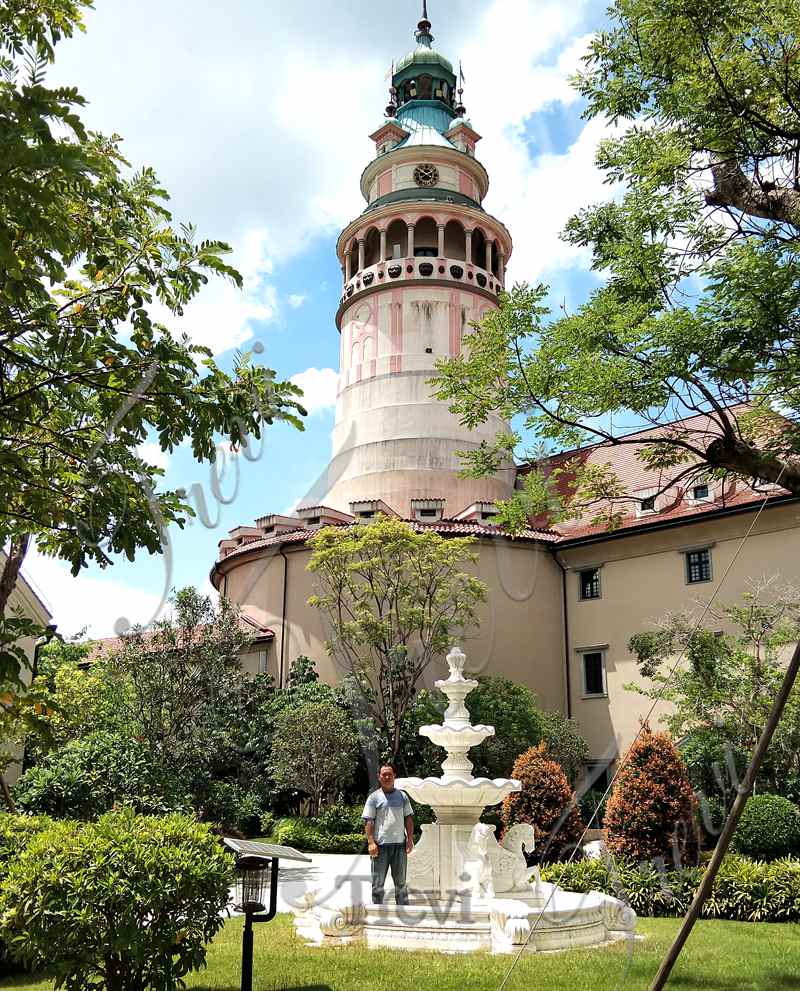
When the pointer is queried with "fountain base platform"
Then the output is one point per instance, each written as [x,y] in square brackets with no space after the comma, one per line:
[542,919]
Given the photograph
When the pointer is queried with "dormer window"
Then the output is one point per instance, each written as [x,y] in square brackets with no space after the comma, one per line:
[314,521]
[427,510]
[700,491]
[648,505]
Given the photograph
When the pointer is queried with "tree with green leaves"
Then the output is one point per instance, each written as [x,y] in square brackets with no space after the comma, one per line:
[698,313]
[314,751]
[727,686]
[173,673]
[89,259]
[395,598]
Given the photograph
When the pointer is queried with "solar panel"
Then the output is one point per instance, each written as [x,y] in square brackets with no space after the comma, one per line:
[249,848]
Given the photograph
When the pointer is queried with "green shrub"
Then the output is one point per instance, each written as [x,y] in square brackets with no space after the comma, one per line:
[592,802]
[88,777]
[268,823]
[339,820]
[16,831]
[127,903]
[303,835]
[769,828]
[744,890]
[232,807]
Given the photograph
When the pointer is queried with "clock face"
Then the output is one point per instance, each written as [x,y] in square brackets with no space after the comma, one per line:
[426,175]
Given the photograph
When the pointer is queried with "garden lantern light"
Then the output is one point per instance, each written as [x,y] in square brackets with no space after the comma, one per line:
[257,869]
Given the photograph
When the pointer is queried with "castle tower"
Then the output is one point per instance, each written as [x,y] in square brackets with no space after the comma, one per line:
[420,264]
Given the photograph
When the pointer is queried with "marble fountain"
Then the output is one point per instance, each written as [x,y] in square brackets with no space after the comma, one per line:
[467,891]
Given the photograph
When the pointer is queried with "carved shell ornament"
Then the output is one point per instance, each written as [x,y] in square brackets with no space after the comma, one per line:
[426,175]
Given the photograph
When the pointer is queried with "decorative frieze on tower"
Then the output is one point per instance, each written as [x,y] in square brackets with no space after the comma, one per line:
[422,262]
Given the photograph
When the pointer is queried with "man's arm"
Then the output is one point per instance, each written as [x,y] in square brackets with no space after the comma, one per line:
[409,833]
[369,829]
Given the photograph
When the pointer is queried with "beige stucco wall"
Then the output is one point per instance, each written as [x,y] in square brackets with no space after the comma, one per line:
[520,632]
[24,602]
[642,579]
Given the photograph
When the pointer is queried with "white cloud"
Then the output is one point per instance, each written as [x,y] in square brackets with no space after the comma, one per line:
[296,300]
[221,317]
[94,603]
[151,453]
[320,386]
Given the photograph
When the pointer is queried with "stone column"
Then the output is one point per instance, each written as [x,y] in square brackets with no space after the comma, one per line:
[441,240]
[361,254]
[348,269]
[383,245]
[501,268]
[410,253]
[469,247]
[488,256]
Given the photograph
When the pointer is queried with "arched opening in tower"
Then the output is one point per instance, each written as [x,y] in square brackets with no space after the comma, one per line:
[372,247]
[397,239]
[496,260]
[455,241]
[426,238]
[353,258]
[479,248]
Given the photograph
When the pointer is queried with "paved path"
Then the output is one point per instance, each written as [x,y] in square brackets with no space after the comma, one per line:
[330,874]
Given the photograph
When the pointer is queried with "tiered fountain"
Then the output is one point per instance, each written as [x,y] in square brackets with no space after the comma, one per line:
[468,892]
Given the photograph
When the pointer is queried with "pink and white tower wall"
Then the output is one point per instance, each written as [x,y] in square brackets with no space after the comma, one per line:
[420,264]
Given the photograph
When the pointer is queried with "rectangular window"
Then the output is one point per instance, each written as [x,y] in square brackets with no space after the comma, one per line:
[262,662]
[590,583]
[594,674]
[698,566]
[648,505]
[700,492]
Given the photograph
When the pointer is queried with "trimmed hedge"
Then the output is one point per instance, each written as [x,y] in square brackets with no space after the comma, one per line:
[769,828]
[304,835]
[744,891]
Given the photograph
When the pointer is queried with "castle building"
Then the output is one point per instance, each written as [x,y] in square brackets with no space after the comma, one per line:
[421,263]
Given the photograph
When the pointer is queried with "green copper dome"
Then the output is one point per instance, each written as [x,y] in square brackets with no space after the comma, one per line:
[424,55]
[424,85]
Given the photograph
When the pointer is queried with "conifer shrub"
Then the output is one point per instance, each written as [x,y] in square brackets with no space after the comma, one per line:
[547,802]
[650,813]
[768,829]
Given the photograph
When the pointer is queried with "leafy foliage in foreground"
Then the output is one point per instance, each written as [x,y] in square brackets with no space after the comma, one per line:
[745,890]
[127,903]
[698,309]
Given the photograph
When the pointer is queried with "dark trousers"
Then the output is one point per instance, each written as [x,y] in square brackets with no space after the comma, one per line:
[390,856]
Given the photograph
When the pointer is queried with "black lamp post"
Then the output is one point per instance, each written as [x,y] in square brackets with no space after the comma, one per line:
[257,871]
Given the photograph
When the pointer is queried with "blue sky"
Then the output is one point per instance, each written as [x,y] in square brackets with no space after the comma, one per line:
[256,115]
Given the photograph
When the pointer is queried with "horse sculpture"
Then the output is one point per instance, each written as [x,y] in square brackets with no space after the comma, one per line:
[496,868]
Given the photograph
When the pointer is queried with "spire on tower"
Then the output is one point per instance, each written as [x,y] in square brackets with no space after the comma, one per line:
[423,33]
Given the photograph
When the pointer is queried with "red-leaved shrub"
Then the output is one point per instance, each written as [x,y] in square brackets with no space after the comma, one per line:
[650,813]
[545,798]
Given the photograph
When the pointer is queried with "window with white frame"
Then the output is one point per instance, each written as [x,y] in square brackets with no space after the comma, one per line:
[646,502]
[594,674]
[698,566]
[701,492]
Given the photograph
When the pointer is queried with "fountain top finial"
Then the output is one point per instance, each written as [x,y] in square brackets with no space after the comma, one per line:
[456,660]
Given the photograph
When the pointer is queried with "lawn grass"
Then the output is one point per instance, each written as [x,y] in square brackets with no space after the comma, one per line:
[721,956]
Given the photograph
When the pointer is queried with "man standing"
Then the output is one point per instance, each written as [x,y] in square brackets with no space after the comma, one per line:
[389,825]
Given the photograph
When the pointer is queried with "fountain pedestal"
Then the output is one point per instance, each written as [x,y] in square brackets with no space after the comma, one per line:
[468,892]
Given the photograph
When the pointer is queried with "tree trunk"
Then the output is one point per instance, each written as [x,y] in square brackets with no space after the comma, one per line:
[7,794]
[732,188]
[16,555]
[745,459]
